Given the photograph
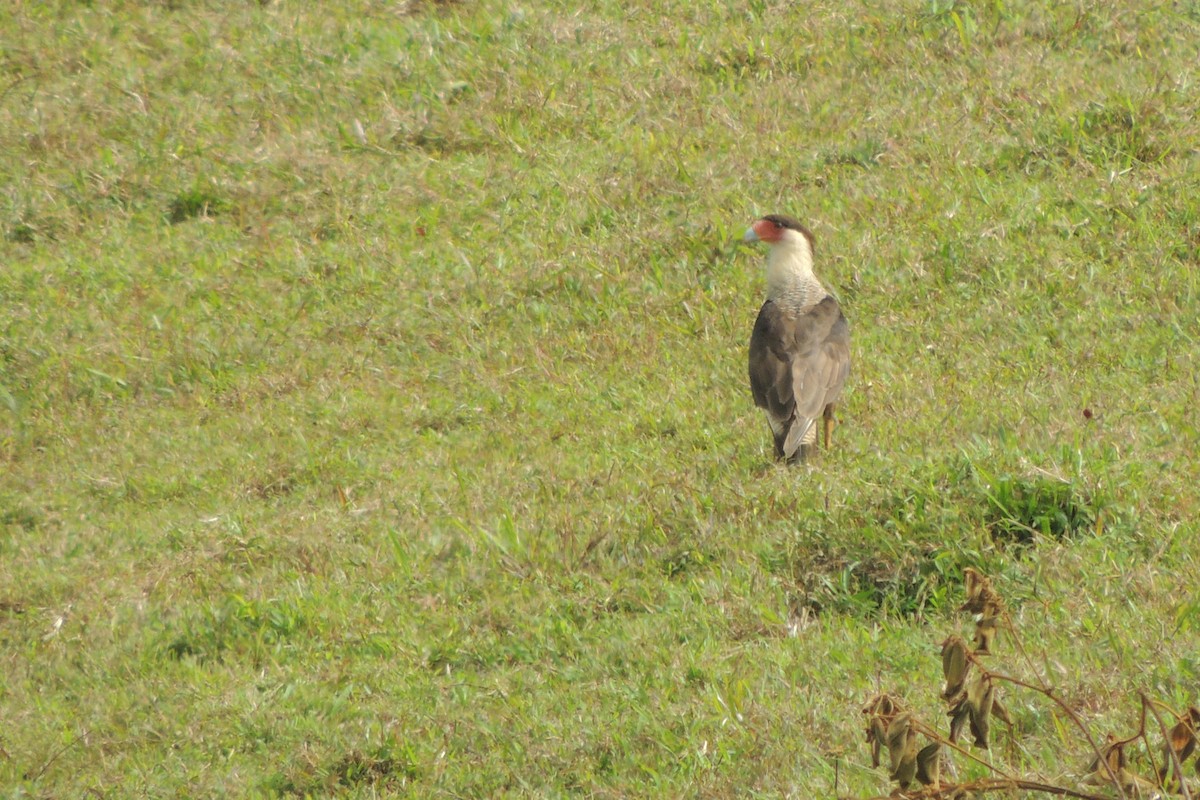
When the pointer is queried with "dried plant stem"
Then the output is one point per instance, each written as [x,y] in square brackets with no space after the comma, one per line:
[1016,640]
[991,785]
[1147,703]
[1112,776]
[937,737]
[42,771]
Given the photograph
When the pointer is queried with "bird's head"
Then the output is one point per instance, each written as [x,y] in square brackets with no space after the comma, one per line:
[791,255]
[777,229]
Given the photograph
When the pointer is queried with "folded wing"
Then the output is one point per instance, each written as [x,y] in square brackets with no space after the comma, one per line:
[799,362]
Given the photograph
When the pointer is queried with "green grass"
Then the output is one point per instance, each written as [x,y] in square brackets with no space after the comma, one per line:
[373,417]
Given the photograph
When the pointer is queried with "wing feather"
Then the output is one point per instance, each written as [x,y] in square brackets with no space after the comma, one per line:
[798,366]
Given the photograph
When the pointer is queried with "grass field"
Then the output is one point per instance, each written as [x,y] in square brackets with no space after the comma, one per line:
[373,411]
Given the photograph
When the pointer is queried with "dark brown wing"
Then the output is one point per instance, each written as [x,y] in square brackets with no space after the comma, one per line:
[820,357]
[770,366]
[798,366]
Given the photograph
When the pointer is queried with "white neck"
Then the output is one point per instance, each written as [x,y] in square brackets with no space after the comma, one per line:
[790,271]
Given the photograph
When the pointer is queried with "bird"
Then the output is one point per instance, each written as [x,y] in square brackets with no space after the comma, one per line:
[800,347]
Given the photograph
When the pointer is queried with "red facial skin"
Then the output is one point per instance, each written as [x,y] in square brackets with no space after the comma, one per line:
[768,231]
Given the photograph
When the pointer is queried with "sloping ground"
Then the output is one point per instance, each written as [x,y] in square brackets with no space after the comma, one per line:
[373,416]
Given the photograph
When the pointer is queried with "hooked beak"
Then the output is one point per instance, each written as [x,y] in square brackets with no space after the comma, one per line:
[750,237]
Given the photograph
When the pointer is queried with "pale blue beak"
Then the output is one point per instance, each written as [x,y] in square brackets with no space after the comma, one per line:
[750,236]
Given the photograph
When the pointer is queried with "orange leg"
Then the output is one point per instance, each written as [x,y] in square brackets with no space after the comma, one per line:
[830,422]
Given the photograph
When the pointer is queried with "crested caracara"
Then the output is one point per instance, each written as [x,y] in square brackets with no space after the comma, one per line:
[800,348]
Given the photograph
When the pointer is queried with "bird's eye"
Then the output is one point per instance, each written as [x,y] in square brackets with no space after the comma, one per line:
[778,225]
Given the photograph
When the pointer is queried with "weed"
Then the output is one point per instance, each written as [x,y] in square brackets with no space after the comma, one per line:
[386,768]
[1020,509]
[237,622]
[195,203]
[972,690]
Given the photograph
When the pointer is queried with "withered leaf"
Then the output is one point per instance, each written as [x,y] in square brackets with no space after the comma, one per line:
[876,735]
[959,714]
[1132,784]
[1116,757]
[972,581]
[1193,717]
[983,600]
[1182,740]
[906,771]
[906,767]
[980,593]
[985,633]
[955,665]
[1101,778]
[898,735]
[1115,754]
[980,727]
[979,701]
[1112,752]
[999,709]
[882,710]
[929,765]
[883,705]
